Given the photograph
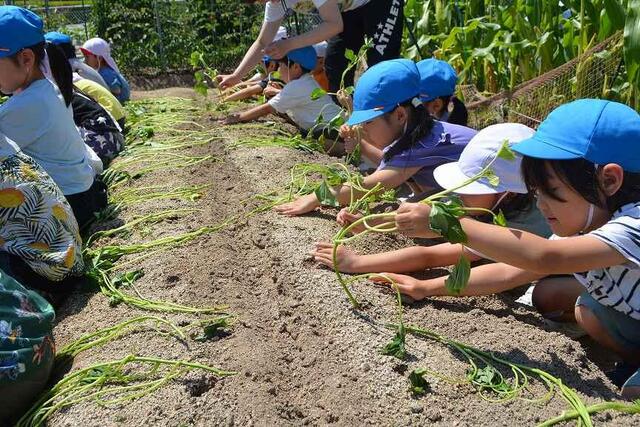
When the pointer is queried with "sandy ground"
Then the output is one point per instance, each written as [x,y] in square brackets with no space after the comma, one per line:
[304,357]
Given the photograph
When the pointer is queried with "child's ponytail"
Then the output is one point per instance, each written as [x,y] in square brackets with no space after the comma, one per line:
[61,71]
[419,125]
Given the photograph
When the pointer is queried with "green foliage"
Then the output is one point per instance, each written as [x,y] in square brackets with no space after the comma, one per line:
[419,385]
[459,277]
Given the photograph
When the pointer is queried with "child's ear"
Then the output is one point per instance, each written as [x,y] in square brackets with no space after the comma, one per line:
[611,177]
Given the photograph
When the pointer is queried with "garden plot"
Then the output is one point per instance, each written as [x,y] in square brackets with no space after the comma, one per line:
[302,354]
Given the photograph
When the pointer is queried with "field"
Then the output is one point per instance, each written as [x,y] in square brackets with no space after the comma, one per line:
[301,353]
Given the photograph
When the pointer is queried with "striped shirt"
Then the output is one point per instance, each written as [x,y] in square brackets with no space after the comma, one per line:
[618,286]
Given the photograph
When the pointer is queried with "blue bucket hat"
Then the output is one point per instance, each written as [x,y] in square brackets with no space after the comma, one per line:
[19,28]
[593,129]
[437,78]
[382,87]
[57,38]
[305,56]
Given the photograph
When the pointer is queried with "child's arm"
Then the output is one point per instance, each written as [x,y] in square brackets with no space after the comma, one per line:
[388,177]
[244,93]
[518,248]
[252,114]
[484,280]
[405,260]
[373,154]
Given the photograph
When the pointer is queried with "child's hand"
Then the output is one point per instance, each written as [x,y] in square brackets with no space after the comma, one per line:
[407,285]
[412,219]
[345,218]
[270,91]
[231,120]
[300,206]
[226,81]
[350,137]
[345,100]
[345,257]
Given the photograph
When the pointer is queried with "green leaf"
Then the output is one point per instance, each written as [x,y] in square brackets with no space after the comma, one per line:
[444,220]
[325,195]
[419,385]
[506,152]
[615,13]
[212,329]
[349,90]
[350,55]
[459,277]
[317,94]
[500,219]
[396,347]
[490,175]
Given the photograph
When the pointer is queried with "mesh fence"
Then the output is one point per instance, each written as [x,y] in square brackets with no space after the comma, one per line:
[71,18]
[590,75]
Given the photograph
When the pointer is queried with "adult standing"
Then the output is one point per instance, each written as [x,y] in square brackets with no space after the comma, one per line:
[345,23]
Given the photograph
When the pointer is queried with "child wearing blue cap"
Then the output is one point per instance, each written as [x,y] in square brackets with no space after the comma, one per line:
[583,163]
[38,116]
[400,136]
[294,100]
[438,82]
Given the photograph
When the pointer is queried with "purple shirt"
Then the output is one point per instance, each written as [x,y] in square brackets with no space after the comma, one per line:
[443,144]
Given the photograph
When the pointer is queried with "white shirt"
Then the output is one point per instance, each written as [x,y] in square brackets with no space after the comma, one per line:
[274,11]
[618,286]
[295,101]
[40,124]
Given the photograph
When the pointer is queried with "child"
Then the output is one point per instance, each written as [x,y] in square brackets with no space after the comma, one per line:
[295,99]
[510,196]
[583,163]
[38,118]
[269,86]
[411,144]
[319,73]
[437,87]
[97,54]
[104,98]
[27,348]
[81,69]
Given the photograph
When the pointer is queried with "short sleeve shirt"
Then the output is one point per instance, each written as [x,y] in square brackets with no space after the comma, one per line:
[295,101]
[26,341]
[103,96]
[39,122]
[115,81]
[275,11]
[36,221]
[618,286]
[443,144]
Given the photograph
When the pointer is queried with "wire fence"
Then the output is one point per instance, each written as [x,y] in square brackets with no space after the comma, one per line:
[73,18]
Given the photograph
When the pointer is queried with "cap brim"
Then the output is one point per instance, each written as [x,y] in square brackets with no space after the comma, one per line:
[358,117]
[449,176]
[536,147]
[86,51]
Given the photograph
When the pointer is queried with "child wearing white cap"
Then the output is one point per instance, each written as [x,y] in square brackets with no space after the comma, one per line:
[319,73]
[510,196]
[97,54]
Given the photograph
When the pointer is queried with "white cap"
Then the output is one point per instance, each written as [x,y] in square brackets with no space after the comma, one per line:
[481,150]
[281,34]
[100,47]
[321,49]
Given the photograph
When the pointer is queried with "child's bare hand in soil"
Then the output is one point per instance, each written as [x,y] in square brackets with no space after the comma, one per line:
[270,91]
[407,285]
[345,218]
[347,259]
[412,219]
[231,119]
[300,206]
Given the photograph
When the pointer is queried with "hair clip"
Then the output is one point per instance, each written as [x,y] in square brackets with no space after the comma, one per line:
[416,102]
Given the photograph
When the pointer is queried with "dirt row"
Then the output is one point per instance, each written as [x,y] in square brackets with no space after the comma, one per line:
[303,356]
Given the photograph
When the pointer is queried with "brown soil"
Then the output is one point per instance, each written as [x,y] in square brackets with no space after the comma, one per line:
[303,355]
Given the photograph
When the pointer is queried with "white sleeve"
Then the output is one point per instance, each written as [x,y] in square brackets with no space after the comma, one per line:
[289,98]
[622,234]
[273,11]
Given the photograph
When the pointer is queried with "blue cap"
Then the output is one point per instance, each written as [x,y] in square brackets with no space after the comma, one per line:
[305,56]
[57,38]
[593,129]
[382,87]
[19,28]
[266,59]
[437,78]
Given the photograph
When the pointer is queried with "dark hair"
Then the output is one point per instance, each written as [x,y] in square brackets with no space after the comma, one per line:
[290,63]
[420,124]
[60,67]
[68,49]
[511,206]
[459,115]
[581,176]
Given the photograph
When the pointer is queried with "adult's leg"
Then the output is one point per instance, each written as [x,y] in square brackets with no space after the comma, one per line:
[351,37]
[555,298]
[384,22]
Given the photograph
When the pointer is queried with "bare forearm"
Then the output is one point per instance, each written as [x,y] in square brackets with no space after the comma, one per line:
[244,93]
[484,280]
[408,260]
[256,112]
[373,154]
